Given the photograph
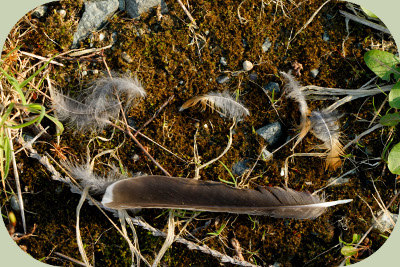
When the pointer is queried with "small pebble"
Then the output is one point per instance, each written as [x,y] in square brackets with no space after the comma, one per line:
[240,168]
[325,37]
[135,157]
[272,132]
[62,13]
[314,73]
[223,61]
[206,32]
[127,58]
[266,45]
[39,11]
[101,36]
[14,203]
[247,65]
[222,79]
[266,155]
[253,76]
[84,73]
[272,87]
[114,37]
[95,72]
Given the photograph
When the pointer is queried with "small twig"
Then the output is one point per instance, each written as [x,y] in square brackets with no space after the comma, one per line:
[358,137]
[188,14]
[365,22]
[155,115]
[308,21]
[17,182]
[41,58]
[78,232]
[197,170]
[69,259]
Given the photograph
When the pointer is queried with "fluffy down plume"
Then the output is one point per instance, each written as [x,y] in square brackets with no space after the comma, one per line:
[325,126]
[293,90]
[191,194]
[223,102]
[86,177]
[101,104]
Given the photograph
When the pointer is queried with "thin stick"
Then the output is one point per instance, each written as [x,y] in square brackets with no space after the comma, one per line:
[169,239]
[188,14]
[141,147]
[155,115]
[18,184]
[78,232]
[358,137]
[69,259]
[365,22]
[197,171]
[308,21]
[41,58]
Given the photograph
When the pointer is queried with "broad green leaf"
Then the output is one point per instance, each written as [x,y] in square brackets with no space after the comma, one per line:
[6,114]
[394,159]
[394,96]
[383,64]
[390,119]
[356,238]
[369,13]
[348,251]
[58,124]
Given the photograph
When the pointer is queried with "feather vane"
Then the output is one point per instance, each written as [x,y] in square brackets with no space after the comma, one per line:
[223,102]
[191,194]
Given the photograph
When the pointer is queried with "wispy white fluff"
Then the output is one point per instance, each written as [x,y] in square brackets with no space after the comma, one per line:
[86,177]
[223,102]
[100,105]
[293,90]
[325,126]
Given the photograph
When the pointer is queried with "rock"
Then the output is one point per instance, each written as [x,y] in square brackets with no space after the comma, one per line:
[253,76]
[383,221]
[247,65]
[14,203]
[266,155]
[223,61]
[272,133]
[127,58]
[62,13]
[114,37]
[39,11]
[134,8]
[325,37]
[314,73]
[272,87]
[101,36]
[96,13]
[222,79]
[266,45]
[240,168]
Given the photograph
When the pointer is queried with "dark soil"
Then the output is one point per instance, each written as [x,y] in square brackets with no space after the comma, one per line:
[168,63]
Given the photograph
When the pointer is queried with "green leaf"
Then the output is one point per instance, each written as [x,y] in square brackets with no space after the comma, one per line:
[6,114]
[394,159]
[348,251]
[35,74]
[58,124]
[394,96]
[356,238]
[383,64]
[391,119]
[369,13]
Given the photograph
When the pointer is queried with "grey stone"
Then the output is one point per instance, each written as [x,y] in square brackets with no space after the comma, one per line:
[223,61]
[314,73]
[385,221]
[96,13]
[136,7]
[222,79]
[101,36]
[266,155]
[240,167]
[253,76]
[325,37]
[14,203]
[127,58]
[271,132]
[39,11]
[266,45]
[272,87]
[247,65]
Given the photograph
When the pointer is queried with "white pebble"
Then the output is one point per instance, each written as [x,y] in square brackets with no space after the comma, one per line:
[62,12]
[247,65]
[102,36]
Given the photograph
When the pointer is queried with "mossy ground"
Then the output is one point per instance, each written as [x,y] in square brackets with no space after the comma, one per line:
[168,61]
